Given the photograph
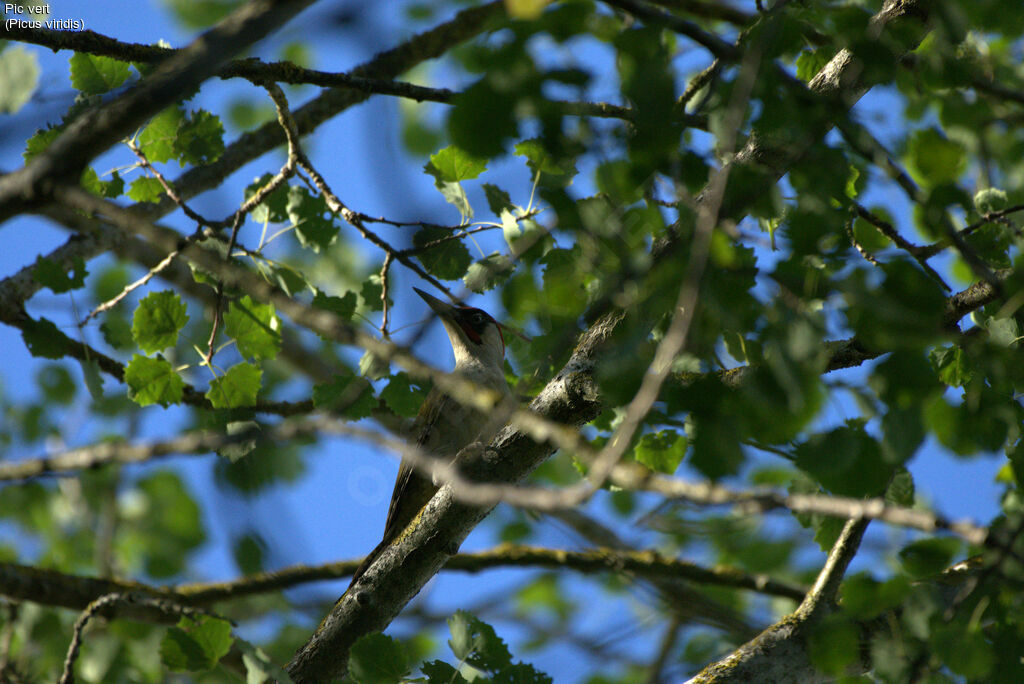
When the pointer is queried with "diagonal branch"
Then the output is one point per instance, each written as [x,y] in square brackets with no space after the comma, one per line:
[780,653]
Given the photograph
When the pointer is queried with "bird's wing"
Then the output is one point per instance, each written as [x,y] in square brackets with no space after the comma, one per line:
[412,489]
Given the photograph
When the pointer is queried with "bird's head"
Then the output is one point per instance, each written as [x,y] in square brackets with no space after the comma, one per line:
[475,336]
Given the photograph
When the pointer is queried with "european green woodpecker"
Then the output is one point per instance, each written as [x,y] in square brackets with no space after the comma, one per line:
[444,426]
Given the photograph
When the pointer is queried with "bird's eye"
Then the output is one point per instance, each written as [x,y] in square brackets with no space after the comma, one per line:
[478,318]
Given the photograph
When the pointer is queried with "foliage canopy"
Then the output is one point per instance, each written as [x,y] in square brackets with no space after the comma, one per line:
[750,257]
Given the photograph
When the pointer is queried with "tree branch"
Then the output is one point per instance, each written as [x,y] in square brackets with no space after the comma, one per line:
[53,588]
[781,652]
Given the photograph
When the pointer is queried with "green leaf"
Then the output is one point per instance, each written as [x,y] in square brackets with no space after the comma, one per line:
[1004,332]
[933,159]
[901,489]
[261,468]
[510,230]
[453,165]
[833,644]
[615,179]
[487,273]
[289,279]
[39,141]
[343,307]
[869,236]
[201,15]
[255,328]
[661,451]
[990,200]
[953,365]
[447,260]
[967,652]
[312,220]
[108,189]
[527,10]
[238,387]
[372,293]
[377,659]
[455,195]
[93,379]
[200,139]
[810,62]
[43,338]
[259,668]
[402,396]
[49,273]
[564,290]
[440,672]
[239,449]
[274,207]
[157,321]
[350,395]
[539,160]
[117,331]
[95,74]
[373,367]
[929,557]
[56,383]
[157,140]
[247,552]
[450,166]
[145,189]
[545,593]
[866,598]
[153,381]
[195,644]
[483,115]
[475,642]
[826,528]
[716,449]
[846,461]
[19,77]
[497,199]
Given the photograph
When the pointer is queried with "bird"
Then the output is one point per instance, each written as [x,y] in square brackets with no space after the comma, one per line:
[443,426]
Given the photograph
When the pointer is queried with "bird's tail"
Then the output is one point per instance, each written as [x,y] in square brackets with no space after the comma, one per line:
[367,562]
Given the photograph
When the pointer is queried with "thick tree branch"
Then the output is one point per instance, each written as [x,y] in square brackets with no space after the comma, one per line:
[252,69]
[404,567]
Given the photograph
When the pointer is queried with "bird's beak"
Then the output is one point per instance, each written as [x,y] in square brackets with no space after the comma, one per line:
[442,309]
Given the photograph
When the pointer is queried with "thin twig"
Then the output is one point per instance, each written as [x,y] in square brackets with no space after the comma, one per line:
[715,45]
[633,477]
[107,604]
[333,203]
[1000,216]
[868,257]
[68,675]
[218,301]
[168,188]
[868,146]
[388,258]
